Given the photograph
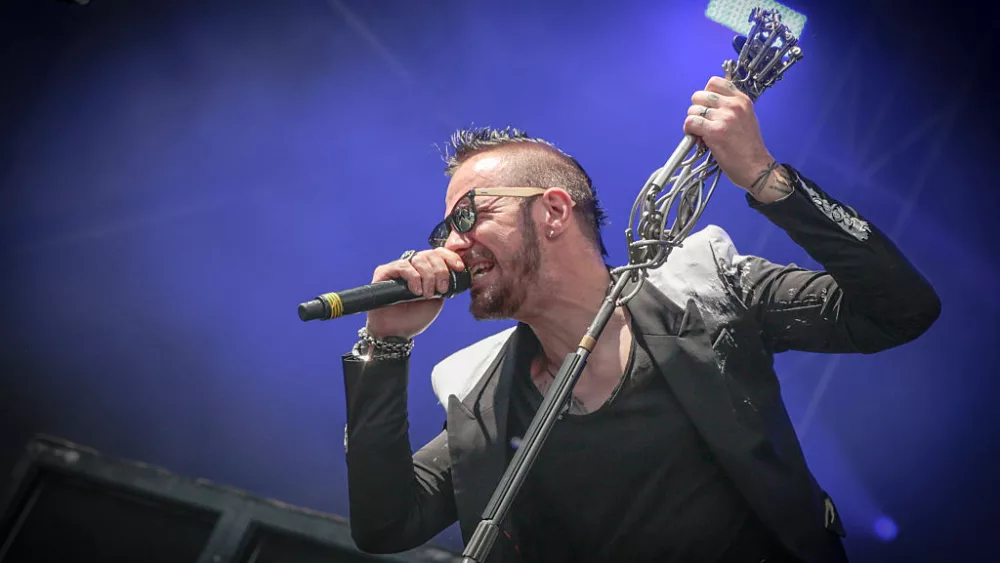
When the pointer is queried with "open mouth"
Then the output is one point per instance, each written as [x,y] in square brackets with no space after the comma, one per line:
[481,269]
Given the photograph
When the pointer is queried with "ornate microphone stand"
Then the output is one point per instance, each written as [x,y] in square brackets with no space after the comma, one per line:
[764,56]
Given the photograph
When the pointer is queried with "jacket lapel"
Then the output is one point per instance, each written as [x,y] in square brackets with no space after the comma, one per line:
[477,434]
[680,345]
[774,488]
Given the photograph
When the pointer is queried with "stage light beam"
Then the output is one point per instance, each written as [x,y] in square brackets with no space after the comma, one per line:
[735,14]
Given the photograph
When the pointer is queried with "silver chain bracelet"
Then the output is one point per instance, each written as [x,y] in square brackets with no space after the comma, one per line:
[390,348]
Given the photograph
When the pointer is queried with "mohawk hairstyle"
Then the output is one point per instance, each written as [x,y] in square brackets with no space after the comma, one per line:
[563,170]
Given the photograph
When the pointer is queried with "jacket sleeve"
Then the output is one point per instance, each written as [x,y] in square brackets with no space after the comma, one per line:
[868,298]
[398,500]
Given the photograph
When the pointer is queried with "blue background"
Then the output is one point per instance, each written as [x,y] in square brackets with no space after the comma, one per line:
[176,176]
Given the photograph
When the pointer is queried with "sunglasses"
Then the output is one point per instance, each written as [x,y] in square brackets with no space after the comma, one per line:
[463,217]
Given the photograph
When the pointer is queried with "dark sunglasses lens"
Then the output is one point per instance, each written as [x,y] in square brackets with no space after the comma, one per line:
[464,218]
[440,234]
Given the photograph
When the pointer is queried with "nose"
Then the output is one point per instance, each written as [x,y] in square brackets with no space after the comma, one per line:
[456,241]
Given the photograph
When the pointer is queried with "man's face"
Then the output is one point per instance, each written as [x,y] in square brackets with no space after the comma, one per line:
[501,250]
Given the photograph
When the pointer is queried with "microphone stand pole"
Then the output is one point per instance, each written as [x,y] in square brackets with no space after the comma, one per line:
[764,55]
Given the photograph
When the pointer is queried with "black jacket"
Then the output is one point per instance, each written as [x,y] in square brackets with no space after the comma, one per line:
[713,320]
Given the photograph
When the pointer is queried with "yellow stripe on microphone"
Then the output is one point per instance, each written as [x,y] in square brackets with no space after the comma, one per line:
[336,305]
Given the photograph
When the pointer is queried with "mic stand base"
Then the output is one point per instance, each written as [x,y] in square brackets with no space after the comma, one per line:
[551,409]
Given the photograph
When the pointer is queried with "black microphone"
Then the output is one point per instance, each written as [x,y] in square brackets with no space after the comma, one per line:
[372,296]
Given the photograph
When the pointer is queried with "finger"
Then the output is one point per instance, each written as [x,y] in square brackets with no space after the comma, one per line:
[700,111]
[707,99]
[722,86]
[427,284]
[698,126]
[442,274]
[451,258]
[400,269]
[433,272]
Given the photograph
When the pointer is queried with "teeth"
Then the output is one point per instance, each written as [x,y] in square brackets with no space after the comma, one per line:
[478,270]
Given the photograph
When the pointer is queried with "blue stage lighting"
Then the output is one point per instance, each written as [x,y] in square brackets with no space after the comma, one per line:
[886,529]
[735,14]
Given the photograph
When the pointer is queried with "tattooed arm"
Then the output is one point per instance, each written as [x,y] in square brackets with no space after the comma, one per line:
[868,297]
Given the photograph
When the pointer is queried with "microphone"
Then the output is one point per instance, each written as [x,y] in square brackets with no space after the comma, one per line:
[373,296]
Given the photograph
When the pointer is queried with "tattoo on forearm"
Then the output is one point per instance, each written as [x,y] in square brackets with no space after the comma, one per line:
[762,178]
[781,183]
[775,178]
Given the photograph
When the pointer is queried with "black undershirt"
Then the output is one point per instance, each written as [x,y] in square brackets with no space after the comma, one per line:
[632,481]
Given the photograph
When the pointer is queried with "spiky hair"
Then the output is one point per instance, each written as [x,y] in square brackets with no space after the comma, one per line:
[563,170]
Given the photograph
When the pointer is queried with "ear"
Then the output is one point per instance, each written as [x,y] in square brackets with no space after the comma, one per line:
[558,207]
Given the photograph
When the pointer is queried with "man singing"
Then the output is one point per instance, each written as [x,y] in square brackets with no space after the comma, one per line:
[677,447]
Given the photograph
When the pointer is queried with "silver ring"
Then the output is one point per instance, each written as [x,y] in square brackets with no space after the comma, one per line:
[704,112]
[408,255]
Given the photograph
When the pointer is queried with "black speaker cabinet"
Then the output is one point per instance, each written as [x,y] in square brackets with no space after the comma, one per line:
[69,504]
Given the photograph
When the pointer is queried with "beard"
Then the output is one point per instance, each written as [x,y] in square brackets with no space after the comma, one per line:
[503,298]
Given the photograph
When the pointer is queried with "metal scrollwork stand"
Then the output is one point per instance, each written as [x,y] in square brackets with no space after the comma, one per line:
[661,219]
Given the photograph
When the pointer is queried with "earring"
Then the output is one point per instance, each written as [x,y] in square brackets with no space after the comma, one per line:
[552,234]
